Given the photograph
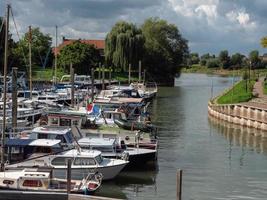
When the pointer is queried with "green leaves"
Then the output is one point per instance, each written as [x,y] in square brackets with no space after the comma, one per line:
[165,49]
[124,45]
[82,56]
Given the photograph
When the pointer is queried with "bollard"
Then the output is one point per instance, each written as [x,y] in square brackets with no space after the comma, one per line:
[179,184]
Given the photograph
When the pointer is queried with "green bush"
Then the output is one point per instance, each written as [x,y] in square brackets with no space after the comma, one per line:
[213,63]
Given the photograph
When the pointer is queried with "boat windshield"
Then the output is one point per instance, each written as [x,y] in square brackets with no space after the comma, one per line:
[99,159]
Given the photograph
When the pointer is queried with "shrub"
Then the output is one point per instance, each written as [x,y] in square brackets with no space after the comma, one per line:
[213,63]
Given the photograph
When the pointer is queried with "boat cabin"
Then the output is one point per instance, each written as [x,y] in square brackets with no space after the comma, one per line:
[67,118]
[28,179]
[21,149]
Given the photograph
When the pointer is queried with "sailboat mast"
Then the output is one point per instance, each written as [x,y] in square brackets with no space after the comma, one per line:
[5,88]
[30,59]
[55,73]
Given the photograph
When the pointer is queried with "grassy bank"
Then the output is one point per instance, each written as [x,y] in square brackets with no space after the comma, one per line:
[226,72]
[238,93]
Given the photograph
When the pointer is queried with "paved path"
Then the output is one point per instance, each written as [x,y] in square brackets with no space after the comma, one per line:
[261,100]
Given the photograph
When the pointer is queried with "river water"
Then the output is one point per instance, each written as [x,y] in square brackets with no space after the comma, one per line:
[219,160]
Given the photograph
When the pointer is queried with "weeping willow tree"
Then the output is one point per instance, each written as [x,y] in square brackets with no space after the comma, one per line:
[124,46]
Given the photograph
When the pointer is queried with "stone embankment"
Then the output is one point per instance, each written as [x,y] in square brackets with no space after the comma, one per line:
[251,114]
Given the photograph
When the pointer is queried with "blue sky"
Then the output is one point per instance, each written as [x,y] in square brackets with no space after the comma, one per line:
[208,25]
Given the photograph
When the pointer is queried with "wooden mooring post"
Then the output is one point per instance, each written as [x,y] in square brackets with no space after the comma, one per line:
[129,75]
[179,179]
[103,77]
[69,176]
[72,85]
[14,97]
[93,82]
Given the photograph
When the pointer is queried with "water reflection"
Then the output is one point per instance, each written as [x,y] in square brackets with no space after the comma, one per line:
[131,182]
[253,139]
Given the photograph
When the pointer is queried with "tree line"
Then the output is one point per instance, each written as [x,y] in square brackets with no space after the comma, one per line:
[226,61]
[159,46]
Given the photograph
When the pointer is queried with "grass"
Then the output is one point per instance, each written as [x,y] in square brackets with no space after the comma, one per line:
[218,71]
[47,74]
[237,93]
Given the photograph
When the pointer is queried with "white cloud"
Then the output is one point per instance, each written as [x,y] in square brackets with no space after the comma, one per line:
[209,10]
[202,22]
[241,18]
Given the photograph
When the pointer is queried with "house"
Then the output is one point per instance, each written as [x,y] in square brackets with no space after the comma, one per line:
[98,44]
[264,58]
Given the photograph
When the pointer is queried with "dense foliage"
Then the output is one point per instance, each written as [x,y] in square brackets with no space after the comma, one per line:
[40,46]
[124,46]
[165,49]
[224,59]
[82,56]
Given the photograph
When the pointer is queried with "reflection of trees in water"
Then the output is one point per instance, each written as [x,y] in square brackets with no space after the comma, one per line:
[241,136]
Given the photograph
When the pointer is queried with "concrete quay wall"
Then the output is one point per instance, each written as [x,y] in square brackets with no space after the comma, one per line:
[240,114]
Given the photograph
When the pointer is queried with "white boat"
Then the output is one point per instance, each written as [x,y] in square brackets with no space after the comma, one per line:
[83,162]
[42,181]
[110,148]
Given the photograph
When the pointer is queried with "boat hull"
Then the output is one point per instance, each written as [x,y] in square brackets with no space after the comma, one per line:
[109,172]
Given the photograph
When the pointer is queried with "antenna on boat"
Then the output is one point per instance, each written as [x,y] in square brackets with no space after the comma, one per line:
[5,87]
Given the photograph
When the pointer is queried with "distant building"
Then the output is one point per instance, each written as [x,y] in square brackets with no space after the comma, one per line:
[98,44]
[264,58]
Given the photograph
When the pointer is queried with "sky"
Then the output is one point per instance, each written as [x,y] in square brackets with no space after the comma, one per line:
[209,25]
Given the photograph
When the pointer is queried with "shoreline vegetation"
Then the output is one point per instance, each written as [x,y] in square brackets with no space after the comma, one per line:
[223,72]
[242,91]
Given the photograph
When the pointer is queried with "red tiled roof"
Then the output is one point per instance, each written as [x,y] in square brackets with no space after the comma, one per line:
[98,44]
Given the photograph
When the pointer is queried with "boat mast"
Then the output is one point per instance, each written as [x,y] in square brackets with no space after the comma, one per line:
[5,88]
[56,51]
[30,59]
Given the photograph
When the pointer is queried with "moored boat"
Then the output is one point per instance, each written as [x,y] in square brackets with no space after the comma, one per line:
[42,181]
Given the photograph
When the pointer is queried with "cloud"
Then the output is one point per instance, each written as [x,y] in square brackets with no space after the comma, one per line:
[209,25]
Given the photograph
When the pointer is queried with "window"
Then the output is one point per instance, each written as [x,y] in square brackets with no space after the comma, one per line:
[42,136]
[54,121]
[51,98]
[21,94]
[32,183]
[75,122]
[41,98]
[60,161]
[84,161]
[65,122]
[61,138]
[99,159]
[8,182]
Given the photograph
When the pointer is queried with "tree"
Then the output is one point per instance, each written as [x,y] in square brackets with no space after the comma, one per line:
[213,63]
[264,42]
[254,59]
[124,45]
[236,60]
[165,49]
[82,56]
[41,49]
[224,59]
[204,58]
[194,58]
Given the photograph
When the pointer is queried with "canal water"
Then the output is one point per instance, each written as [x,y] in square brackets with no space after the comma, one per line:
[219,160]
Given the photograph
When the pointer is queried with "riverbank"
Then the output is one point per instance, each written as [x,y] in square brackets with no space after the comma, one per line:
[245,107]
[223,72]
